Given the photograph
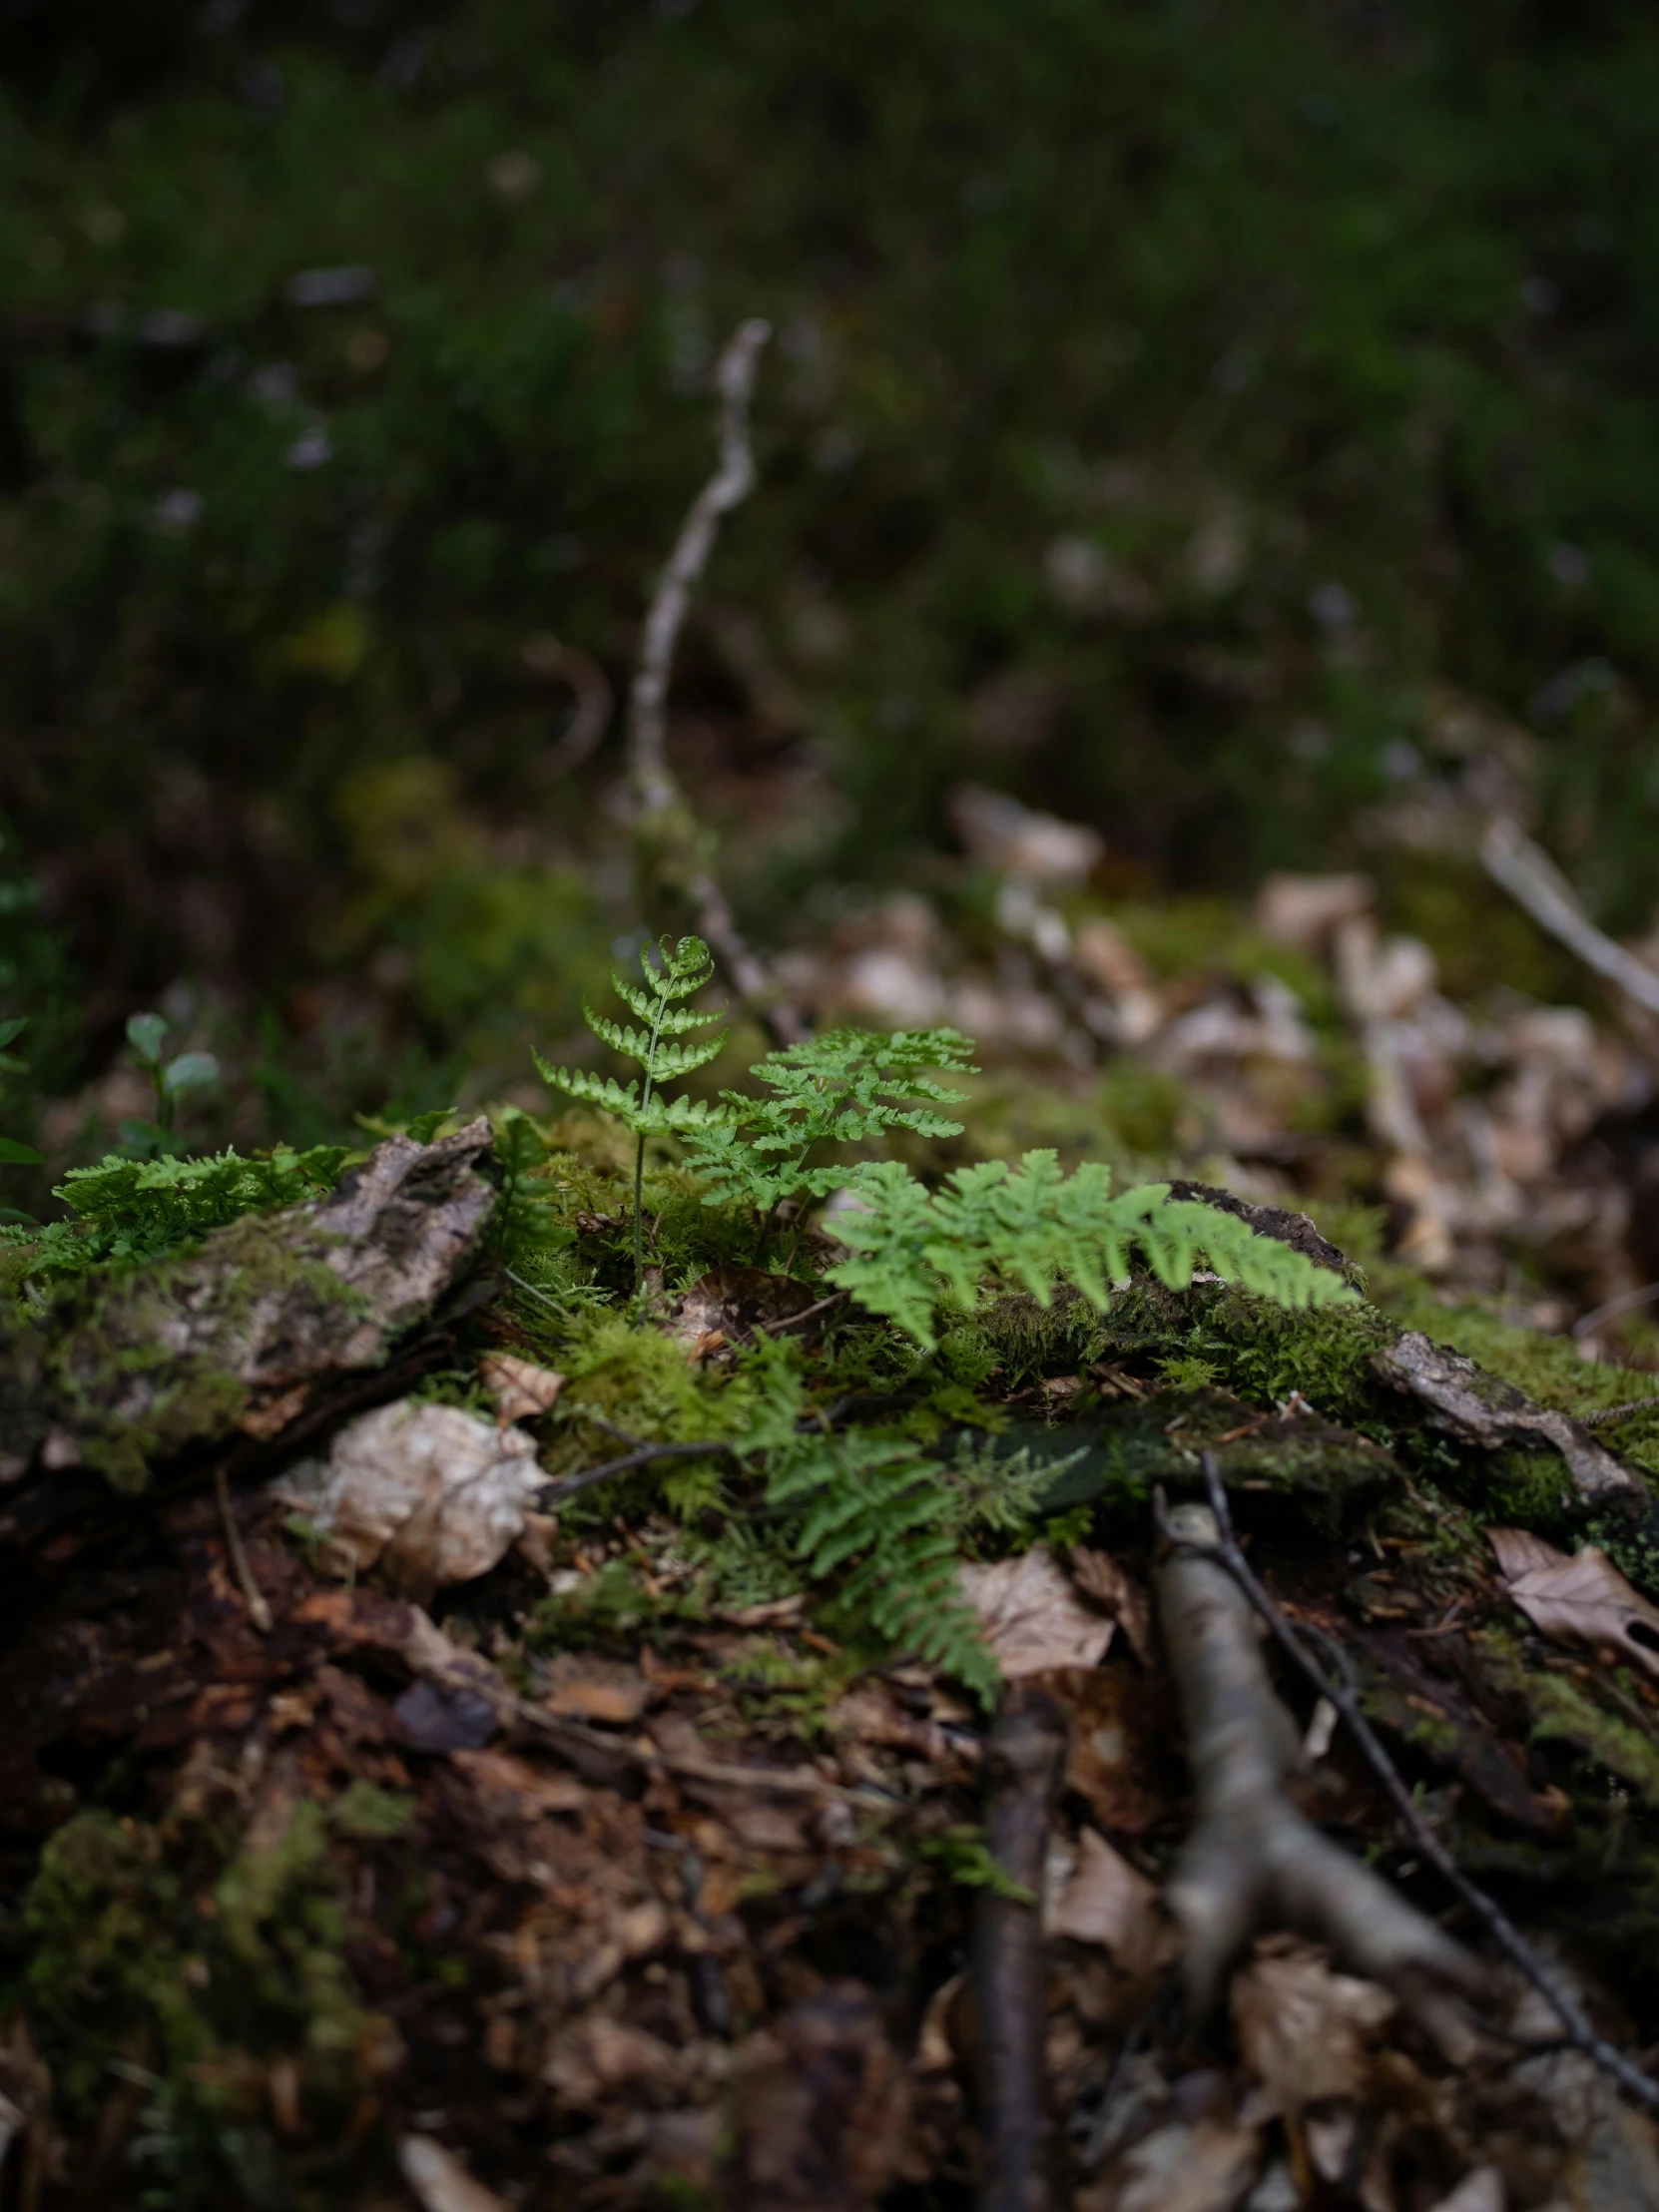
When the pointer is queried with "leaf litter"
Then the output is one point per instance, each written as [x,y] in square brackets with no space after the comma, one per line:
[631,1894]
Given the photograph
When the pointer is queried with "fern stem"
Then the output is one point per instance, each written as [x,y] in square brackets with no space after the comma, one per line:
[639,1213]
[766,1232]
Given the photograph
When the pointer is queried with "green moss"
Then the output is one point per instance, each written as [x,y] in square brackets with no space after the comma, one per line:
[111,1364]
[158,1946]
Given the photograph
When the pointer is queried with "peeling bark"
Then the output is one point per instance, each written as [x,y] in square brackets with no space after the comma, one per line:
[1478,1409]
[246,1335]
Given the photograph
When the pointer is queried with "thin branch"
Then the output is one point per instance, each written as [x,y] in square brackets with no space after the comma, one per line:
[1344,1695]
[646,1455]
[730,483]
[806,1314]
[1024,1758]
[547,655]
[1627,1301]
[259,1612]
[1531,877]
[655,788]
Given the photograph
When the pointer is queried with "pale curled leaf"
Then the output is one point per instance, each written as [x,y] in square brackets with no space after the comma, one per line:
[1579,1600]
[1305,2032]
[432,1494]
[1032,1615]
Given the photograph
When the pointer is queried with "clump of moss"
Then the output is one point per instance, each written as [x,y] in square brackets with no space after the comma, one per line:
[159,1948]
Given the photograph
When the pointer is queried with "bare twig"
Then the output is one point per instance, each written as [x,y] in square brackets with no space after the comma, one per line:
[730,483]
[1224,1553]
[655,788]
[549,657]
[1252,1861]
[806,1314]
[259,1612]
[1023,1757]
[1531,877]
[645,1457]
[1627,1301]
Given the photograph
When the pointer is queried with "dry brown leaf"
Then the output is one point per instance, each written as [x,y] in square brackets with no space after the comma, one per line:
[1205,2167]
[1109,1903]
[520,1388]
[731,1303]
[1117,1594]
[1305,2032]
[438,2179]
[580,1688]
[1579,1600]
[433,1494]
[1032,1616]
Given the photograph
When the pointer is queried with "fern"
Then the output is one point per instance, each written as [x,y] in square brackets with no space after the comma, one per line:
[129,1212]
[1033,1227]
[839,1088]
[875,1498]
[676,974]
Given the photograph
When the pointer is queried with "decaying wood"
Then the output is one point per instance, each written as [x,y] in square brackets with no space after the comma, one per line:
[247,1336]
[1254,1862]
[1024,1759]
[1479,1410]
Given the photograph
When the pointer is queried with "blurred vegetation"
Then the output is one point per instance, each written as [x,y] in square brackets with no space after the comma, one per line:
[1176,412]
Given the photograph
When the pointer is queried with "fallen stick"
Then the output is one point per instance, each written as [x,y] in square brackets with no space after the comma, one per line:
[1024,1758]
[1254,1862]
[1223,1552]
[1533,881]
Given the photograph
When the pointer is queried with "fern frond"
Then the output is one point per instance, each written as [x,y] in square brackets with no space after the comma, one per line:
[1035,1227]
[875,1498]
[842,1087]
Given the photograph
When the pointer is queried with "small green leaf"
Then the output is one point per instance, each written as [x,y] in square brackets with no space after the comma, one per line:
[12,1028]
[191,1071]
[15,1155]
[147,1033]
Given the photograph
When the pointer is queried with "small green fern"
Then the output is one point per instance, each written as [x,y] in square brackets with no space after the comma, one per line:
[842,1087]
[874,1498]
[128,1212]
[1034,1227]
[671,974]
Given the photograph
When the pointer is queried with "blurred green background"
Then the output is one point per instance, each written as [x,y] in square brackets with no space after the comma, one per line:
[1194,418]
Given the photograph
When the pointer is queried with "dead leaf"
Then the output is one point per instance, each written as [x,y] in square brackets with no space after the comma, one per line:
[731,1303]
[821,2108]
[1032,1616]
[1304,2030]
[431,1717]
[1179,2168]
[441,2182]
[1110,1902]
[1118,1594]
[1124,1731]
[513,1789]
[1582,1600]
[581,1688]
[1480,2191]
[432,1494]
[520,1388]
